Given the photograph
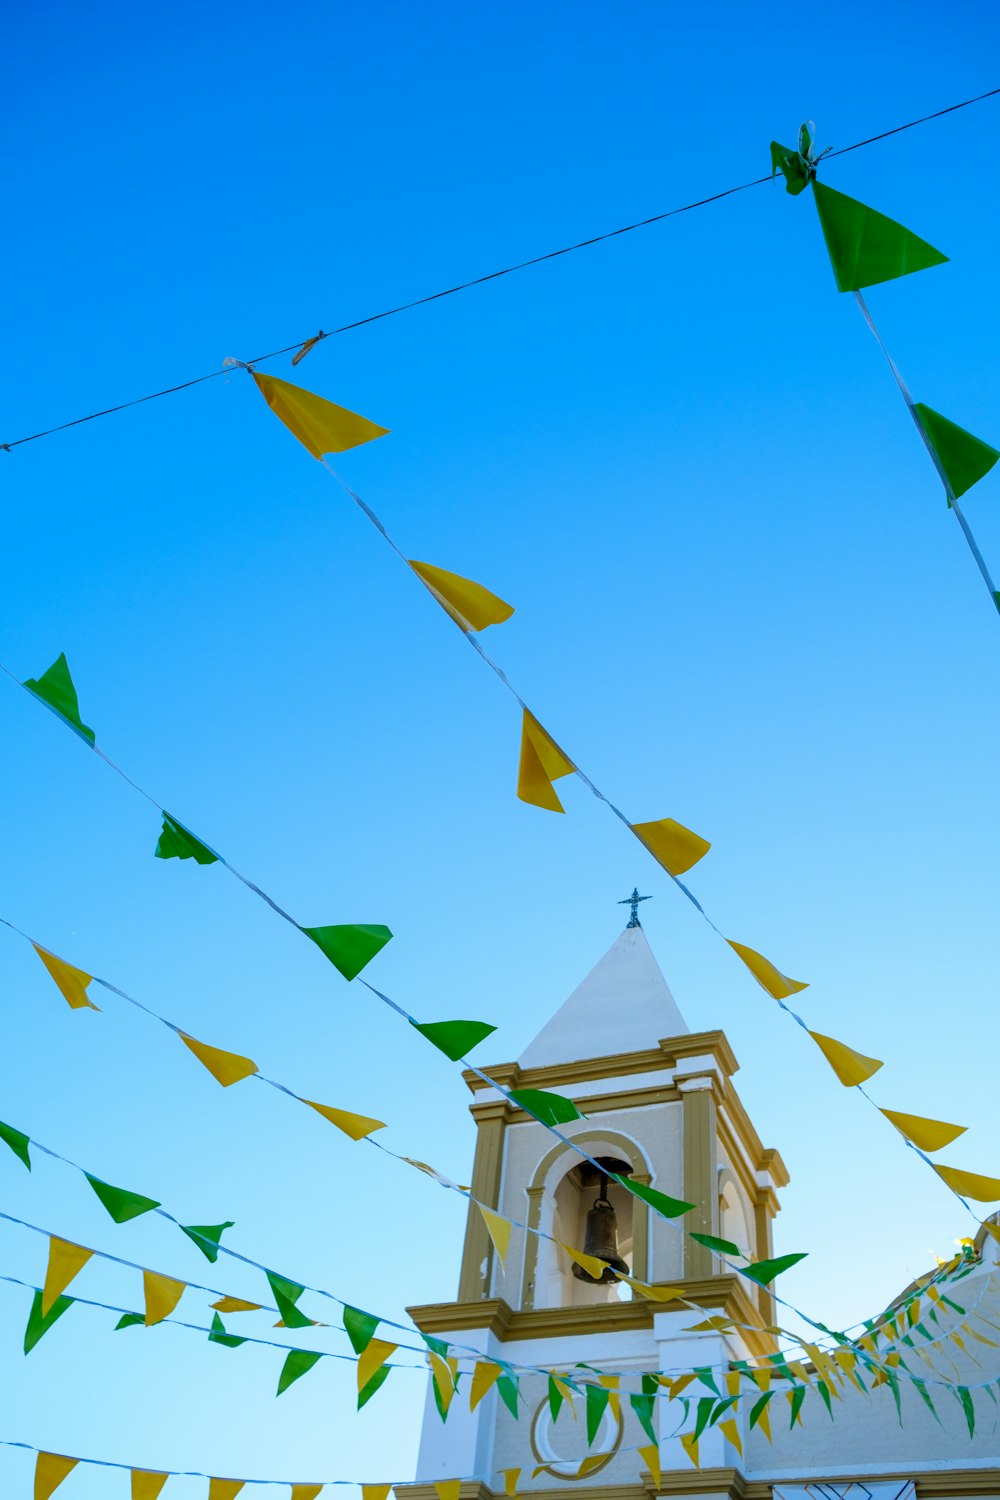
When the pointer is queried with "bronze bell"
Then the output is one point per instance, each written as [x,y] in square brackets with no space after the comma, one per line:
[602,1240]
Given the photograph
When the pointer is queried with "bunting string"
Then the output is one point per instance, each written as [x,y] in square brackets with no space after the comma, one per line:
[301,347]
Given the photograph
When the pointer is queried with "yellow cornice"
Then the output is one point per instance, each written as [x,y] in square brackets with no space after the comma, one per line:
[946,1484]
[716,1292]
[664,1093]
[668,1052]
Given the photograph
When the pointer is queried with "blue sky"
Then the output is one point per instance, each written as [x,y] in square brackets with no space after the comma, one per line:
[740,602]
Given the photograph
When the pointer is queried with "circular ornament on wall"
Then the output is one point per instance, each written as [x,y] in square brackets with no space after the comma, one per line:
[560,1445]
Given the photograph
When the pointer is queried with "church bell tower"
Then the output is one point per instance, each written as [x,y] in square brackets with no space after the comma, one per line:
[661,1108]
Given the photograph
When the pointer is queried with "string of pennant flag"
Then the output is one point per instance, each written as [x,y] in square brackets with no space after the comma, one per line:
[321,427]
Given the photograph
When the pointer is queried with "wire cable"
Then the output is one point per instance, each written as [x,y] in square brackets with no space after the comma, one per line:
[464,286]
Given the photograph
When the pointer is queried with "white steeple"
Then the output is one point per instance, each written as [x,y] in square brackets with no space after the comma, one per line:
[623,1005]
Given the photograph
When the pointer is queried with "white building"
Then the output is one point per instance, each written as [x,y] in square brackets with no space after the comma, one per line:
[660,1100]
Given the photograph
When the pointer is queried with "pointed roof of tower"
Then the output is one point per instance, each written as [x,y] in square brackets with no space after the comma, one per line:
[623,1005]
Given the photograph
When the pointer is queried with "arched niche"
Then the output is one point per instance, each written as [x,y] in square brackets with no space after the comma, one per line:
[559,1196]
[734,1221]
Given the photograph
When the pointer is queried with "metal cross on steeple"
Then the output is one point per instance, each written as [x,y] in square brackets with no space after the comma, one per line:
[633,901]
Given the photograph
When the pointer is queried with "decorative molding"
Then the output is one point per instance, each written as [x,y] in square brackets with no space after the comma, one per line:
[615,1065]
[663,1093]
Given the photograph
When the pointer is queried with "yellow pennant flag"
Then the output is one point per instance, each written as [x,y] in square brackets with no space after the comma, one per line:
[672,845]
[690,1445]
[777,984]
[651,1456]
[761,1378]
[993,1229]
[542,763]
[375,1491]
[731,1432]
[590,1463]
[320,426]
[72,982]
[225,1067]
[679,1384]
[146,1485]
[510,1478]
[444,1372]
[448,1489]
[970,1184]
[235,1304]
[65,1260]
[484,1378]
[372,1358]
[850,1067]
[224,1489]
[356,1126]
[610,1384]
[499,1231]
[305,1491]
[162,1295]
[733,1383]
[653,1292]
[590,1263]
[471,606]
[929,1135]
[50,1471]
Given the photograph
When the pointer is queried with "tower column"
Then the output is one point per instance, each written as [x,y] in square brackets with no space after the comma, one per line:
[477,1257]
[701,1171]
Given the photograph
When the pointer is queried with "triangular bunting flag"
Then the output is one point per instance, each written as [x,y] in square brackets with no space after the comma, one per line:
[498,1229]
[377,1381]
[589,1263]
[55,687]
[865,247]
[653,1292]
[651,1457]
[235,1305]
[218,1335]
[550,1109]
[484,1377]
[298,1362]
[306,1491]
[764,1271]
[65,1260]
[225,1067]
[778,985]
[50,1471]
[471,606]
[178,842]
[590,1463]
[448,1489]
[360,1328]
[850,1067]
[286,1295]
[224,1489]
[929,1135]
[121,1204]
[731,1433]
[356,1126]
[444,1373]
[18,1143]
[510,1478]
[672,845]
[320,426]
[542,763]
[964,459]
[147,1485]
[207,1237]
[690,1445]
[372,1359]
[72,982]
[970,1184]
[350,946]
[375,1491]
[39,1323]
[162,1294]
[454,1038]
[670,1208]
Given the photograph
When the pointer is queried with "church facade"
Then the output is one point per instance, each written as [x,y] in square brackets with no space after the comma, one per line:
[661,1108]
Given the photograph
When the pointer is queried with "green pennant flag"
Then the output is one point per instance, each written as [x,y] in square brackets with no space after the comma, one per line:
[507,1385]
[670,1208]
[643,1406]
[178,842]
[706,1406]
[218,1334]
[349,947]
[360,1328]
[864,246]
[550,1109]
[964,459]
[379,1378]
[130,1320]
[791,165]
[824,1391]
[964,1396]
[598,1397]
[119,1202]
[17,1141]
[795,1401]
[207,1237]
[555,1398]
[454,1038]
[712,1242]
[764,1271]
[706,1377]
[758,1407]
[286,1294]
[55,688]
[298,1362]
[39,1323]
[922,1392]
